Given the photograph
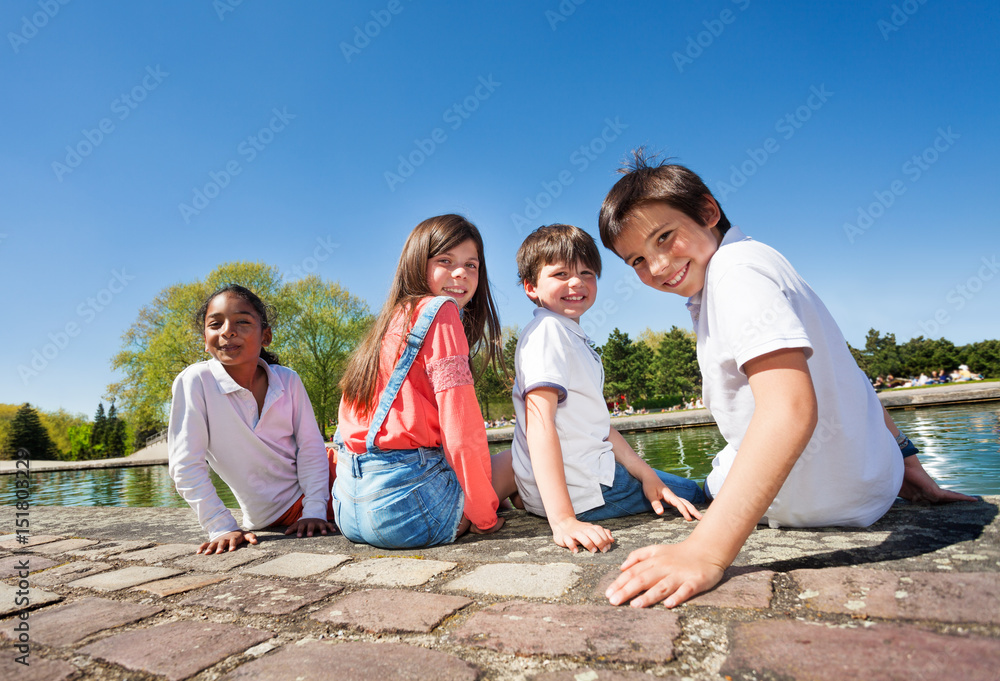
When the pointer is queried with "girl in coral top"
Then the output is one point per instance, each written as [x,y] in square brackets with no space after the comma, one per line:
[413,467]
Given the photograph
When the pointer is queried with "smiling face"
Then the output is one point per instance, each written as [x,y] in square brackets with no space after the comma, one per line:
[669,250]
[233,331]
[567,290]
[455,272]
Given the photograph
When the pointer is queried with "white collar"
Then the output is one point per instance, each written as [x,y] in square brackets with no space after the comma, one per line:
[228,385]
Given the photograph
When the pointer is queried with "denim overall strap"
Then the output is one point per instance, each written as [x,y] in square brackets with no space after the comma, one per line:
[414,341]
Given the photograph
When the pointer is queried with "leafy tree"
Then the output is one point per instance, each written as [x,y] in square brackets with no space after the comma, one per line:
[642,374]
[983,358]
[677,371]
[617,356]
[79,441]
[882,354]
[324,324]
[317,324]
[58,423]
[114,435]
[492,385]
[26,430]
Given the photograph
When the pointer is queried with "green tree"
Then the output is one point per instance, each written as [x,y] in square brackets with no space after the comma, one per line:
[98,433]
[494,385]
[79,441]
[617,355]
[164,340]
[983,358]
[677,371]
[324,324]
[882,355]
[114,435]
[26,431]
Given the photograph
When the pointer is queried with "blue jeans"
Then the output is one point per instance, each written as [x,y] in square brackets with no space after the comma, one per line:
[625,496]
[401,499]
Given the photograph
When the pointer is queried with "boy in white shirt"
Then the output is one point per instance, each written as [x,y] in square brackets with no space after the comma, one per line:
[571,466]
[808,442]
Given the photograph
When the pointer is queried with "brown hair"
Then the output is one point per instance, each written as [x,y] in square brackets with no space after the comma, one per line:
[647,179]
[479,319]
[556,244]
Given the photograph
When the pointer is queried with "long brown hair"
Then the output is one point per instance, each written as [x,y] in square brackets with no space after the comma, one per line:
[480,320]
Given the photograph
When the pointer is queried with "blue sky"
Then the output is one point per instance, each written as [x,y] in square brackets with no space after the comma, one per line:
[859,139]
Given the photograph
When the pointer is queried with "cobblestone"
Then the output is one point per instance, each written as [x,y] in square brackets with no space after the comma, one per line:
[392,571]
[124,578]
[298,565]
[382,611]
[519,580]
[75,621]
[274,597]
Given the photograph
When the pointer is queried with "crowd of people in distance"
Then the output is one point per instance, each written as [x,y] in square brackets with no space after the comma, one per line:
[962,373]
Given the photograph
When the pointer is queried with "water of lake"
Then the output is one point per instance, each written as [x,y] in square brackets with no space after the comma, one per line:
[959,446]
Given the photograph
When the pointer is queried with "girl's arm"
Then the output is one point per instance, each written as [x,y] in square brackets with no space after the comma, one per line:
[463,434]
[187,450]
[784,418]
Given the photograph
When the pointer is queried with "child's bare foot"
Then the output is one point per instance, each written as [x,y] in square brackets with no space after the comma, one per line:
[919,487]
[515,499]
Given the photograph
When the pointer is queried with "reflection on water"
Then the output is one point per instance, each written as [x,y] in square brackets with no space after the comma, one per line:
[959,447]
[133,486]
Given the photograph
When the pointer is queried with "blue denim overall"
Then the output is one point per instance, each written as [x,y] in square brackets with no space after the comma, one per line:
[402,498]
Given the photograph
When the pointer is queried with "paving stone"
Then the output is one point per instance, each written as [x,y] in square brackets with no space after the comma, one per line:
[124,578]
[73,622]
[52,548]
[298,565]
[943,597]
[522,580]
[37,669]
[69,572]
[384,611]
[33,540]
[13,599]
[742,587]
[596,675]
[270,596]
[179,584]
[222,562]
[12,566]
[176,650]
[110,548]
[321,661]
[588,631]
[883,652]
[160,552]
[392,571]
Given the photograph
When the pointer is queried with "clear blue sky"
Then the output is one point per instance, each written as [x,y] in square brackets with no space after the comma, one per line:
[819,108]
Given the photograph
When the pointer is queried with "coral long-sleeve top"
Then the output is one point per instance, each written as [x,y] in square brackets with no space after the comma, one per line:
[436,407]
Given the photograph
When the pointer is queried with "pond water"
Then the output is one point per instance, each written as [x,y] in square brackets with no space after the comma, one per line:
[959,446]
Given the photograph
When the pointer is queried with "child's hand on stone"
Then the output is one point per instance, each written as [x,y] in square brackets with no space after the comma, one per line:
[227,542]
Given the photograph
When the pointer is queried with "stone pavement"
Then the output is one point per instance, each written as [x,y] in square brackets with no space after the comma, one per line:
[116,593]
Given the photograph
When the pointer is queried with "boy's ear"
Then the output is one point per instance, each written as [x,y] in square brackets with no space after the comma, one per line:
[265,338]
[710,212]
[531,291]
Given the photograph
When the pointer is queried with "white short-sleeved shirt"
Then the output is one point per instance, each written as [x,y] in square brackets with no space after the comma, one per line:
[268,460]
[554,352]
[754,303]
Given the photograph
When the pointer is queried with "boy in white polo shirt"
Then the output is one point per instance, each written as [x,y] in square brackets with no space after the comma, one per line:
[571,466]
[808,442]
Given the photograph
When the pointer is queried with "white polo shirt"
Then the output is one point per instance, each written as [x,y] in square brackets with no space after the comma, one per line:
[754,303]
[554,352]
[268,461]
